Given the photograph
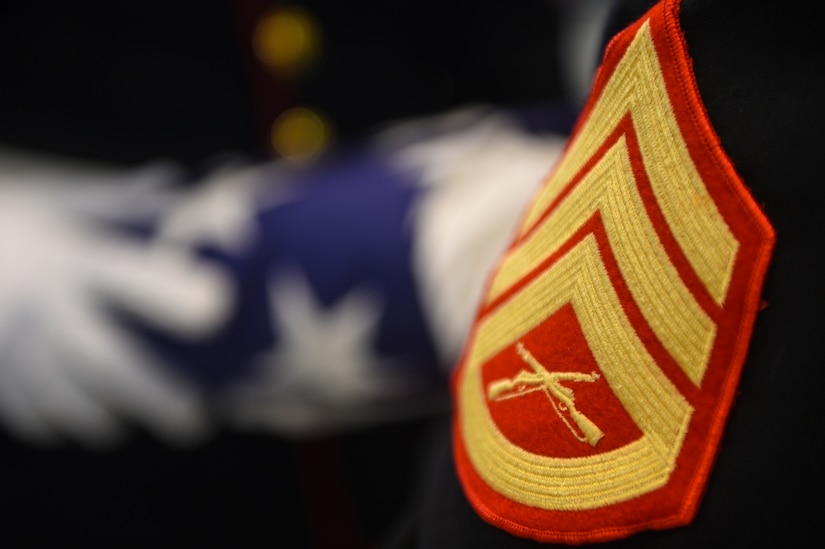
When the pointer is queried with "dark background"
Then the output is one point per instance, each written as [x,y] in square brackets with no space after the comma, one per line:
[130,82]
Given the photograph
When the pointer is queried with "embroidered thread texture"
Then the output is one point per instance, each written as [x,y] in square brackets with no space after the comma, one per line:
[656,406]
[561,397]
[640,246]
[611,189]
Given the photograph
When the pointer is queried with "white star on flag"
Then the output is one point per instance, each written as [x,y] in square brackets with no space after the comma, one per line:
[322,373]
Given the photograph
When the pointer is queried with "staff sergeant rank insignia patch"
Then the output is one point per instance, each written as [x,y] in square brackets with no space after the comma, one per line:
[593,391]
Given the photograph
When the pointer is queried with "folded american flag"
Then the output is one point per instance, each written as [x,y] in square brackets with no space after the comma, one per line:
[346,286]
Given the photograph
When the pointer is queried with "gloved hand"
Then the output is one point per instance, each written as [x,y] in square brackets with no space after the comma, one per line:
[67,371]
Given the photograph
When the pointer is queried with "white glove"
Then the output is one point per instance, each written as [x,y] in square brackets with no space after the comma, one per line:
[67,371]
[480,179]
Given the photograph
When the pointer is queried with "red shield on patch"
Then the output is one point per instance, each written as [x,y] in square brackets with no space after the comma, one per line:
[594,387]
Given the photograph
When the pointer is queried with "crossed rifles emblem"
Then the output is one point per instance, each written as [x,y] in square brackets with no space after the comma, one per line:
[561,397]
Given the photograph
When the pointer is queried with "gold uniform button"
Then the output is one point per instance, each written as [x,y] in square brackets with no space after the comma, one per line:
[299,134]
[286,41]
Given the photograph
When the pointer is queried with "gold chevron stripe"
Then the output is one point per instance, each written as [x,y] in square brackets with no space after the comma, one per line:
[652,401]
[637,87]
[678,321]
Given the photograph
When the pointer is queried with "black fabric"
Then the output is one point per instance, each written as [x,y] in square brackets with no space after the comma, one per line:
[129,83]
[763,82]
[621,14]
[235,491]
[124,83]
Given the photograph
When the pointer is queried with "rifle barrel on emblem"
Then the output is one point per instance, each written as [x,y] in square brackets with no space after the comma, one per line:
[550,383]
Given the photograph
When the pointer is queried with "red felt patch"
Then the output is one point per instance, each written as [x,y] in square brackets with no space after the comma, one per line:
[550,431]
